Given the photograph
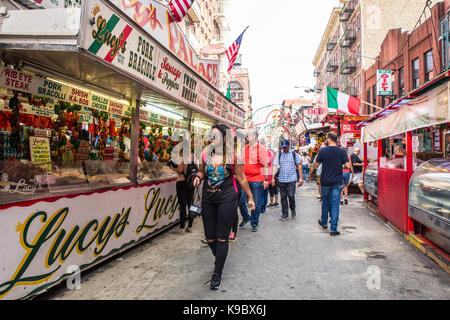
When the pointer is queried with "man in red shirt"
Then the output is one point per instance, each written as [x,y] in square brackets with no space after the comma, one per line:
[256,168]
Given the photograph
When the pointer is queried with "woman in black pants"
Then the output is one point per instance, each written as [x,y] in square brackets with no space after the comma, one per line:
[184,194]
[219,198]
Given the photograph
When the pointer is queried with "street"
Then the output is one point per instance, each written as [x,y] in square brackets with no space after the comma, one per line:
[285,260]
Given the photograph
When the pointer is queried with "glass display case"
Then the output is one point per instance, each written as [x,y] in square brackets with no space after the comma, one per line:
[21,181]
[96,175]
[66,178]
[154,171]
[117,173]
[429,195]
[371,179]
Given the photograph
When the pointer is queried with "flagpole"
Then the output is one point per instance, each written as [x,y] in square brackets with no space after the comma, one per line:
[370,104]
[220,56]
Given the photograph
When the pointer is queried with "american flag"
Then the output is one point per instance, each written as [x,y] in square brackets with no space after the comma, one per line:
[233,50]
[180,8]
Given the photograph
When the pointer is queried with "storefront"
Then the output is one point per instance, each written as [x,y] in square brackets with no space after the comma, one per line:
[91,106]
[410,189]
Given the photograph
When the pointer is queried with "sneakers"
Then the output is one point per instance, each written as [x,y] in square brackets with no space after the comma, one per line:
[320,223]
[342,203]
[243,224]
[255,229]
[335,233]
[203,240]
[294,217]
[188,229]
[276,205]
[216,279]
[282,218]
[232,237]
[270,205]
[346,201]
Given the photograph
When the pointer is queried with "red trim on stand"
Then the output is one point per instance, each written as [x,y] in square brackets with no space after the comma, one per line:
[393,196]
[28,203]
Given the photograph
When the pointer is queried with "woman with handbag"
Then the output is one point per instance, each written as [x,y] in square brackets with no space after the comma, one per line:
[220,195]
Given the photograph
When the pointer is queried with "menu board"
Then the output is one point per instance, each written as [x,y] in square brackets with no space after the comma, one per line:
[40,150]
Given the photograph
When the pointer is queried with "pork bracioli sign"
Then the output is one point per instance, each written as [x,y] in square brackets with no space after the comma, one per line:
[42,241]
[157,21]
[115,40]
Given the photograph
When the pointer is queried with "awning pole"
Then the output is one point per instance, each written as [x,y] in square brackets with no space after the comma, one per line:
[134,150]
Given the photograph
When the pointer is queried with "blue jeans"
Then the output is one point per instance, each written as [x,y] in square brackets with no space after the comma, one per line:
[305,170]
[255,188]
[331,197]
[264,197]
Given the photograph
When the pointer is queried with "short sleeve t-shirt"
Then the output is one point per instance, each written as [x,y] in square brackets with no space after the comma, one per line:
[255,159]
[356,159]
[332,158]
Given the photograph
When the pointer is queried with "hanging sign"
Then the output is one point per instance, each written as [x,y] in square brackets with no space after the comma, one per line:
[384,82]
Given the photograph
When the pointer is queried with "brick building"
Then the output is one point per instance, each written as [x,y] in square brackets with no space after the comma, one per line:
[414,58]
[239,84]
[353,37]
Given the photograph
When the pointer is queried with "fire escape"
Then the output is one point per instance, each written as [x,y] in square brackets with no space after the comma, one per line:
[348,64]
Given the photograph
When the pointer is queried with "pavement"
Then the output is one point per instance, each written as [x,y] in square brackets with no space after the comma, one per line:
[285,260]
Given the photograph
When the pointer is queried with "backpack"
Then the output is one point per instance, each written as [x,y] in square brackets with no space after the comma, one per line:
[192,171]
[296,169]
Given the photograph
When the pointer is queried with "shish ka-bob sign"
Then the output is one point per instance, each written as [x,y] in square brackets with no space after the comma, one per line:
[41,242]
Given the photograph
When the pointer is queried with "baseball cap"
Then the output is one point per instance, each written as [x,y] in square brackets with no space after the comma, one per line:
[285,143]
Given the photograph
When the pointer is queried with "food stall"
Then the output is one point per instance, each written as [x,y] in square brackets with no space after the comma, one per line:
[92,102]
[412,165]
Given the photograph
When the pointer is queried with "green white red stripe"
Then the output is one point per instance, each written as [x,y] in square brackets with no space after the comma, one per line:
[341,102]
[110,25]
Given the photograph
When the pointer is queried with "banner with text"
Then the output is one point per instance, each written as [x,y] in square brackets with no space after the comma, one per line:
[43,241]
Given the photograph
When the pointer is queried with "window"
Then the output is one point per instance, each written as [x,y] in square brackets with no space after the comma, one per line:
[401,82]
[428,58]
[368,100]
[374,94]
[415,73]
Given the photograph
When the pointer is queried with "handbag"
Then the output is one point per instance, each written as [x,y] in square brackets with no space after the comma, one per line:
[195,206]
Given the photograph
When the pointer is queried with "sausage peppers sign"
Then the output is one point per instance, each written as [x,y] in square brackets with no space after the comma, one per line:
[157,21]
[42,242]
[112,39]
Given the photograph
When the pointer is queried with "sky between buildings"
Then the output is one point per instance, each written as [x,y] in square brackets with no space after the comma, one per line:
[279,47]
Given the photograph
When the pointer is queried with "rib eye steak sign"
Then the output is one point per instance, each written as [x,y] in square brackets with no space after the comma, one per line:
[41,242]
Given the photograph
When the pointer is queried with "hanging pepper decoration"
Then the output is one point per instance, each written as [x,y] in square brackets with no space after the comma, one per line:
[14,105]
[141,143]
[121,133]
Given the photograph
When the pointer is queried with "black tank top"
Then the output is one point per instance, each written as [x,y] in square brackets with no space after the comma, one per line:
[219,184]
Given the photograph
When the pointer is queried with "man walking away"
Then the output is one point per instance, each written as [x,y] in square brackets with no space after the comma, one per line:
[357,169]
[256,164]
[289,167]
[273,189]
[332,158]
[305,165]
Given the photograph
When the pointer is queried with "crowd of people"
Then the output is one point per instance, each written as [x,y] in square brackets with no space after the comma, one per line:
[246,174]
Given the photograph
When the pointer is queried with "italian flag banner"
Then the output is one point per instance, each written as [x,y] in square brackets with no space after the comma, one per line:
[338,101]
